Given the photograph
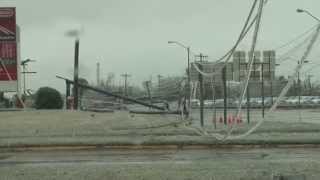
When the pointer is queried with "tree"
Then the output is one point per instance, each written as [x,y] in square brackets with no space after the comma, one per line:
[48,98]
[170,88]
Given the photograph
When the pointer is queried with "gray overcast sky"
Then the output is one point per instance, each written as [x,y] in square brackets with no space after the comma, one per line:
[131,35]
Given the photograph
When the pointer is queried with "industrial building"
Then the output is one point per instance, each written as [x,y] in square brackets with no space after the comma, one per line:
[263,70]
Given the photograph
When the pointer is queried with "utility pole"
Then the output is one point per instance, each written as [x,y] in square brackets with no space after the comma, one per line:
[76,74]
[214,105]
[248,103]
[309,84]
[299,84]
[271,78]
[201,56]
[126,83]
[67,94]
[189,80]
[248,98]
[224,79]
[98,74]
[239,66]
[247,92]
[159,82]
[262,87]
[299,89]
[299,93]
[147,84]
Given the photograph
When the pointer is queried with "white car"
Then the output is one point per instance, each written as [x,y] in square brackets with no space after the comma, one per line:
[292,100]
[208,103]
[316,100]
[195,103]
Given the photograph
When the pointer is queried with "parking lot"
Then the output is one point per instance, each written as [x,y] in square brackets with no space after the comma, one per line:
[281,115]
[258,102]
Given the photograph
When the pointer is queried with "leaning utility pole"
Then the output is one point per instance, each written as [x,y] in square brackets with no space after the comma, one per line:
[126,83]
[201,56]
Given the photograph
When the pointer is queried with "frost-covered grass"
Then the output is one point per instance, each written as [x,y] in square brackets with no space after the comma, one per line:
[73,127]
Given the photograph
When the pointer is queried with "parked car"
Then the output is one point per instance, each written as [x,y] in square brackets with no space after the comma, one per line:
[208,103]
[315,100]
[195,103]
[292,100]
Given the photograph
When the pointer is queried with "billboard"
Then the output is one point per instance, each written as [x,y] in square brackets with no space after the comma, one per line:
[8,65]
[8,50]
[7,24]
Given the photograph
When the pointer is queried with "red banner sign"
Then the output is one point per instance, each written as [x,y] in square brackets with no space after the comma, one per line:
[7,24]
[8,61]
[8,46]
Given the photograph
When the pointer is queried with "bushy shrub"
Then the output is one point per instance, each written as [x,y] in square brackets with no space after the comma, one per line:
[48,98]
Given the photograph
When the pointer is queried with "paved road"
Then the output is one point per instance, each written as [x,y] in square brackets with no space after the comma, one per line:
[161,164]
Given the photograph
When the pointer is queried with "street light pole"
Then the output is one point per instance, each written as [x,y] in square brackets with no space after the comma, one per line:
[310,14]
[317,19]
[188,70]
[24,64]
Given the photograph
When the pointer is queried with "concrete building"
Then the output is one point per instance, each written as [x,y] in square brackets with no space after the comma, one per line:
[263,68]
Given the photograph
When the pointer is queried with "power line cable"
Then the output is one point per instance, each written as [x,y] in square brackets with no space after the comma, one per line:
[284,56]
[296,38]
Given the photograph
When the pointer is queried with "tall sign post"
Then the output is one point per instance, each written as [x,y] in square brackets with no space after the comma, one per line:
[201,83]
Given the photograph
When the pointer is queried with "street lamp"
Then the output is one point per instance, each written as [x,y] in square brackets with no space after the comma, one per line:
[188,70]
[76,34]
[24,64]
[307,12]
